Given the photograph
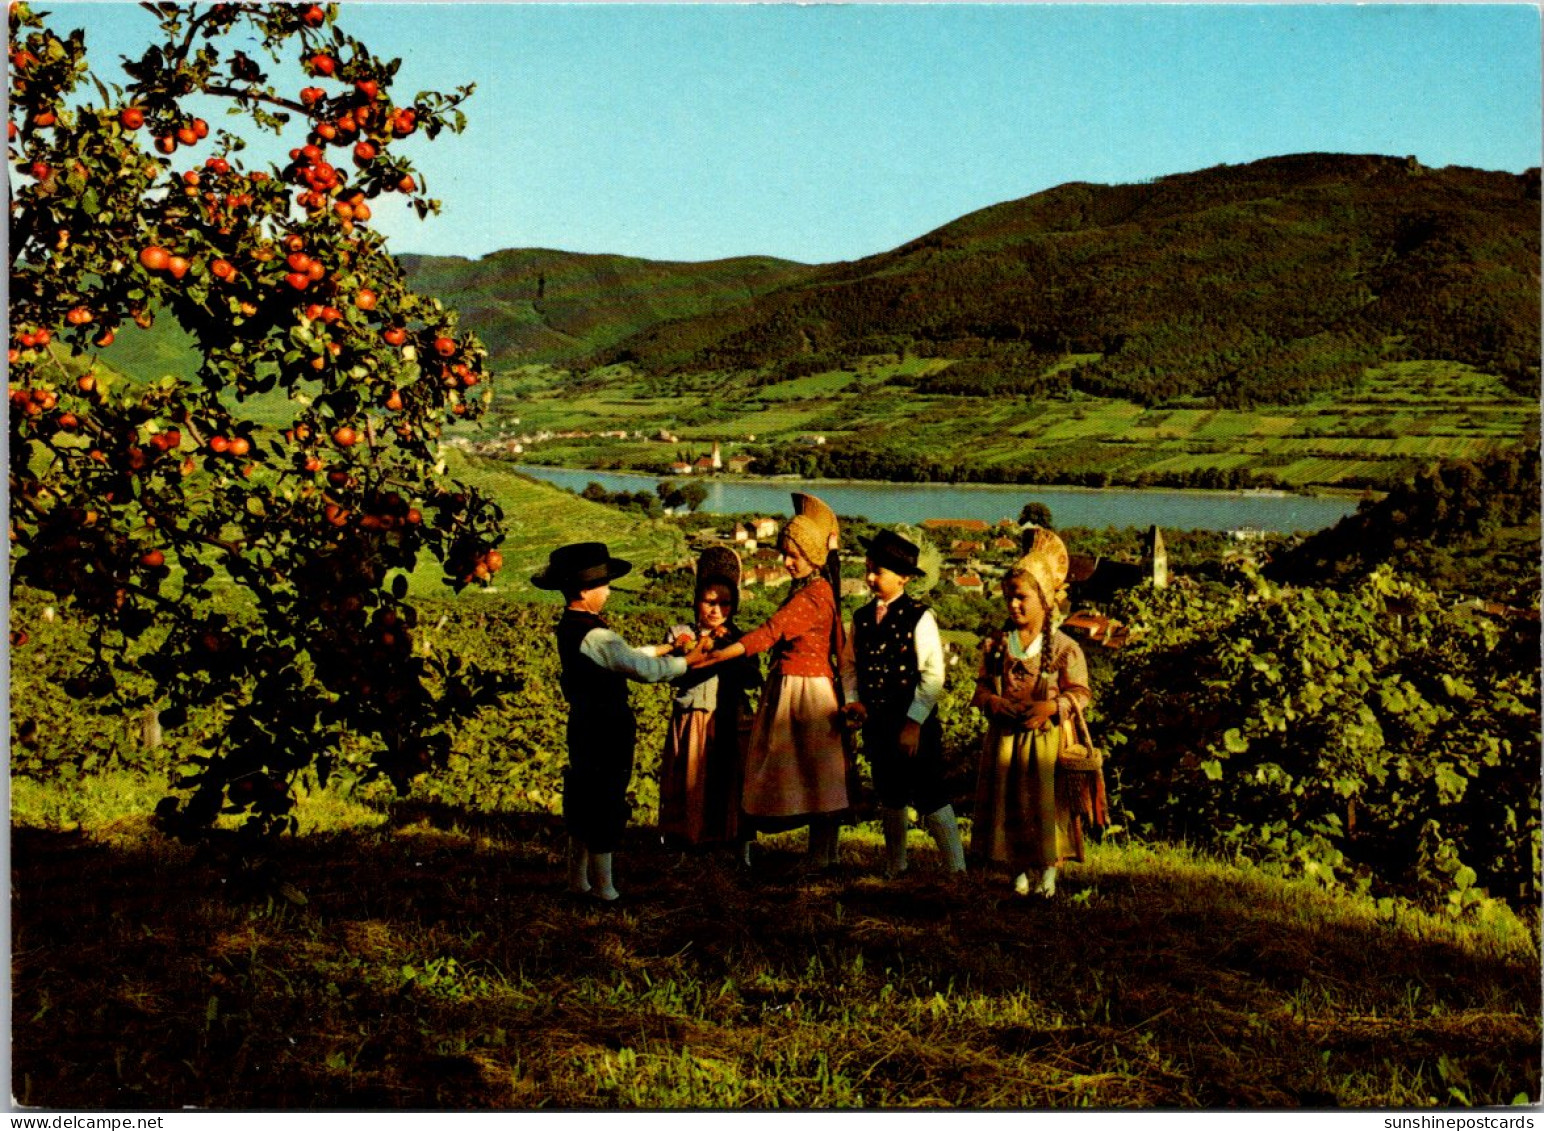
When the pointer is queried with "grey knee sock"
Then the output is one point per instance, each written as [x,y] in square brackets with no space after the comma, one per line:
[894,824]
[946,833]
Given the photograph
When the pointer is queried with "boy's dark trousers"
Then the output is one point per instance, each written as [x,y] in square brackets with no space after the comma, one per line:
[600,766]
[900,781]
[601,736]
[917,781]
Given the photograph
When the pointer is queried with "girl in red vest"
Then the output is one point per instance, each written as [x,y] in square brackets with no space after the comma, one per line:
[796,766]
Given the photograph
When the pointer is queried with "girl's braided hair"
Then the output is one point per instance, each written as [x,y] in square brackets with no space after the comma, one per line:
[1045,567]
[1022,571]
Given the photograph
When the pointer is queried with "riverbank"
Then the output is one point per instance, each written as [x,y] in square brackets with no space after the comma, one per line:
[1095,507]
[1355,493]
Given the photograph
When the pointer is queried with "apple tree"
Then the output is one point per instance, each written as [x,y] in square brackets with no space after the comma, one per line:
[245,537]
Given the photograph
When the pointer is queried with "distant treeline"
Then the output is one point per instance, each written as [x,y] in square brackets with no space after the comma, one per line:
[666,495]
[847,460]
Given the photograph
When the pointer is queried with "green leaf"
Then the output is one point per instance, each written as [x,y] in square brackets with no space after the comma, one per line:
[1212,768]
[1450,783]
[1392,699]
[1457,688]
[1235,742]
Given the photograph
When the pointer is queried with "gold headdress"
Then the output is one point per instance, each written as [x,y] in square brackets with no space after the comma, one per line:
[823,517]
[805,533]
[1046,563]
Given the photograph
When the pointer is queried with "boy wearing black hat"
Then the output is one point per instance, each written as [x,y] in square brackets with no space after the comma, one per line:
[893,674]
[596,665]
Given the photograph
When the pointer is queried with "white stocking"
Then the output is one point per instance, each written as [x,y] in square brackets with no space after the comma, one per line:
[946,834]
[600,876]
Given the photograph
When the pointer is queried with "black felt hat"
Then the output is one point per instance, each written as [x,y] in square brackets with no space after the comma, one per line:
[719,564]
[894,553]
[580,565]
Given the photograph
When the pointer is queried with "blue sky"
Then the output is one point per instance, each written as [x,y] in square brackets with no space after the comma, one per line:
[829,132]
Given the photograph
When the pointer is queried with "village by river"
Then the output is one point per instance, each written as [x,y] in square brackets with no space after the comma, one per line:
[917,502]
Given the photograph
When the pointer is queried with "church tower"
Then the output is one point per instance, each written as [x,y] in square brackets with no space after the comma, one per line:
[1157,558]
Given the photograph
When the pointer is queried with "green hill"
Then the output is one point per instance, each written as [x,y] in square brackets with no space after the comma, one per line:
[1466,526]
[1135,334]
[534,305]
[1264,283]
[1244,284]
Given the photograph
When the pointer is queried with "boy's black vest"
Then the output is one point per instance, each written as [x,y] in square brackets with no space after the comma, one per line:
[597,698]
[886,654]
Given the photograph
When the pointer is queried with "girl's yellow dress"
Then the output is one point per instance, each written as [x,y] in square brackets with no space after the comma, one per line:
[1028,814]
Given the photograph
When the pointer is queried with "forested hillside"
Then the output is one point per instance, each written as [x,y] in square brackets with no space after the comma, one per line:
[534,305]
[1241,284]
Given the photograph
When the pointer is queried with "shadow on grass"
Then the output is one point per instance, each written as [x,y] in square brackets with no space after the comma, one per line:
[440,963]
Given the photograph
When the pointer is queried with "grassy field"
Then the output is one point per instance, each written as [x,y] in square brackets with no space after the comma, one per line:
[539,517]
[1401,413]
[400,954]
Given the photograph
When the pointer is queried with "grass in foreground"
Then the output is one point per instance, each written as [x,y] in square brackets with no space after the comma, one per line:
[423,957]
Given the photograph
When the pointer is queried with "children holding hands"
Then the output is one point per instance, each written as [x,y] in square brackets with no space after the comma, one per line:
[723,771]
[893,674]
[596,665]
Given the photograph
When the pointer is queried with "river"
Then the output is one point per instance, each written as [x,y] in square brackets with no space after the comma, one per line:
[1070,506]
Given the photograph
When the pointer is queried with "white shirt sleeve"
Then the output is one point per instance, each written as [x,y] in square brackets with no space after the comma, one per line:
[614,654]
[930,668]
[848,663]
